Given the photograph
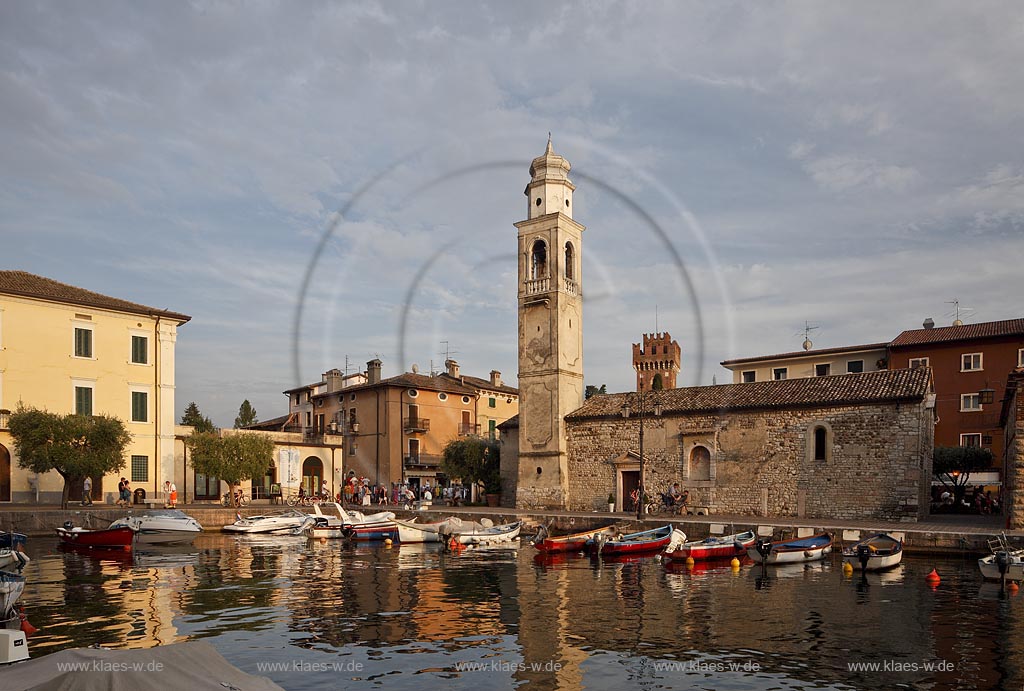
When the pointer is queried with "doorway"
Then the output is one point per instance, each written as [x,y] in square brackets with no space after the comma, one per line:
[630,481]
[5,474]
[312,474]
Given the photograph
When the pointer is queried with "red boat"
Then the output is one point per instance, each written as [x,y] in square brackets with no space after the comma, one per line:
[635,543]
[569,543]
[724,547]
[111,538]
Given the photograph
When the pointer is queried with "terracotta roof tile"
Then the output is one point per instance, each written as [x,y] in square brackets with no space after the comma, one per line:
[478,383]
[411,381]
[943,334]
[24,284]
[842,389]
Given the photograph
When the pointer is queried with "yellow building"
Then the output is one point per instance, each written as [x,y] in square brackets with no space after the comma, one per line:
[66,349]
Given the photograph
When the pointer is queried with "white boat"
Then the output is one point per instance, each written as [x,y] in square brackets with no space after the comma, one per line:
[337,522]
[488,535]
[793,551]
[11,587]
[410,532]
[875,553]
[12,557]
[1002,558]
[283,522]
[167,527]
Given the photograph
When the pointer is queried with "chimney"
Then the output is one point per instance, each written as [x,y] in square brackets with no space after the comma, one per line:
[332,378]
[373,371]
[452,367]
[929,323]
[495,378]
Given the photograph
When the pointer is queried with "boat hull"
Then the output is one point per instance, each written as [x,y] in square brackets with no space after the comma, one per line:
[265,525]
[157,529]
[111,538]
[372,532]
[884,553]
[570,543]
[12,557]
[802,550]
[644,542]
[412,533]
[1014,570]
[725,547]
[491,536]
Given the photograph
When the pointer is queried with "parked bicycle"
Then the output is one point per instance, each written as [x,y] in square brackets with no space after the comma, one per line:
[304,500]
[238,499]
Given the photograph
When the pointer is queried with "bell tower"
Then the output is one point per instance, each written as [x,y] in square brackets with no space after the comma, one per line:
[550,332]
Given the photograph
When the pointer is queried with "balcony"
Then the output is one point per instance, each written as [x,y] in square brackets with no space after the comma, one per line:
[466,428]
[423,460]
[345,427]
[538,285]
[571,286]
[414,425]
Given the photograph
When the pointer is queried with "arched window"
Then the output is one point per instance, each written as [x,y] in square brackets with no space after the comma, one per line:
[700,463]
[820,444]
[570,262]
[539,260]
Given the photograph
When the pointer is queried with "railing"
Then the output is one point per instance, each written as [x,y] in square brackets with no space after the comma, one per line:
[416,424]
[538,285]
[469,428]
[423,459]
[571,286]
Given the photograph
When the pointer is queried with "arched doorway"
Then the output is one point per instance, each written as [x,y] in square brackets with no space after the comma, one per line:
[5,474]
[312,474]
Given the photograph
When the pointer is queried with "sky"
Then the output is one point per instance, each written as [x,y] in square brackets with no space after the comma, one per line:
[318,184]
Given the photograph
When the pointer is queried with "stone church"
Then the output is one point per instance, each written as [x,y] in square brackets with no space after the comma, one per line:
[844,446]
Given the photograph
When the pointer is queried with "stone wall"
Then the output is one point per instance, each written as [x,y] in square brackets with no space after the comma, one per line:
[878,462]
[1014,491]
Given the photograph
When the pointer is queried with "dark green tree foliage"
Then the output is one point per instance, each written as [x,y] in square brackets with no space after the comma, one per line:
[592,390]
[193,417]
[475,460]
[233,458]
[75,446]
[953,465]
[246,415]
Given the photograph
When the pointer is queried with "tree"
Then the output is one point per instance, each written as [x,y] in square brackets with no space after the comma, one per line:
[233,458]
[475,460]
[953,465]
[592,390]
[246,415]
[75,446]
[193,417]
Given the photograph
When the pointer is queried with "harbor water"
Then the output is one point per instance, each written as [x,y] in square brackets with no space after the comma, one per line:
[314,615]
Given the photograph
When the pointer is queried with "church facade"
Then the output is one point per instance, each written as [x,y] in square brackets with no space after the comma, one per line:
[843,446]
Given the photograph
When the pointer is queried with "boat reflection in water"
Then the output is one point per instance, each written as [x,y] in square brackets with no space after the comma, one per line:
[415,614]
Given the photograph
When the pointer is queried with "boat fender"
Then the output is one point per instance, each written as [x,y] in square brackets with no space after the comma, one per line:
[808,554]
[26,627]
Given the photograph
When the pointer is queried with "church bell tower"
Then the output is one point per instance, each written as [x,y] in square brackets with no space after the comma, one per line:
[550,332]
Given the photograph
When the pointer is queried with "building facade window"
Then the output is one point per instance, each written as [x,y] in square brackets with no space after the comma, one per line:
[854,366]
[1020,357]
[83,342]
[970,439]
[780,373]
[749,377]
[539,260]
[822,370]
[970,362]
[83,399]
[466,400]
[413,393]
[140,468]
[140,350]
[970,403]
[492,402]
[442,396]
[820,443]
[916,362]
[492,428]
[570,262]
[140,406]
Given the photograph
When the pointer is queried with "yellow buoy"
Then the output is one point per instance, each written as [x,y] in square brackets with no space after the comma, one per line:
[387,542]
[847,568]
[689,562]
[735,563]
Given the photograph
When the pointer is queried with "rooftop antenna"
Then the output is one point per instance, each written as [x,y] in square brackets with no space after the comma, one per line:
[448,352]
[956,309]
[346,365]
[655,318]
[807,335]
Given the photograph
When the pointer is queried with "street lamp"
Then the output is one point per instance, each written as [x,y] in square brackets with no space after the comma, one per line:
[641,504]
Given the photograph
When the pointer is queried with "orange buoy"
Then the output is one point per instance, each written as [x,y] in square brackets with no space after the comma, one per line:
[26,627]
[933,577]
[1012,587]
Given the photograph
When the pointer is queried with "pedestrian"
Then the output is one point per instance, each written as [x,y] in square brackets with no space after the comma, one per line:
[324,491]
[174,495]
[120,492]
[87,491]
[167,494]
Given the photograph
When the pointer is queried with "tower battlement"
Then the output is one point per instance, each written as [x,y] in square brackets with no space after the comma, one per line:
[657,361]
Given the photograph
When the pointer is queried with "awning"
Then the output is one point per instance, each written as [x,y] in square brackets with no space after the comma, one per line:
[988,478]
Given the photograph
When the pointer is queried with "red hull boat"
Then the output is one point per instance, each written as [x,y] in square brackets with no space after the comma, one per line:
[724,547]
[112,538]
[635,543]
[570,543]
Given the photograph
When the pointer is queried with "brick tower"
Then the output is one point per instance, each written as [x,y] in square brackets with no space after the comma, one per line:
[657,362]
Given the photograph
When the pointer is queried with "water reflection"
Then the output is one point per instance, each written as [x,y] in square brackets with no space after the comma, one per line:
[412,615]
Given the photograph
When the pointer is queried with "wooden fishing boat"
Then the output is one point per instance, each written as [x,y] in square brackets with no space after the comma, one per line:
[875,553]
[569,543]
[801,549]
[410,532]
[111,538]
[370,527]
[714,547]
[643,542]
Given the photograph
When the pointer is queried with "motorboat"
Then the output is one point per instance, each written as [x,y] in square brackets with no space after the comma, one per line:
[410,532]
[575,542]
[479,534]
[12,539]
[339,522]
[283,522]
[110,538]
[801,549]
[11,587]
[714,547]
[13,556]
[372,526]
[642,542]
[166,527]
[875,553]
[1004,563]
